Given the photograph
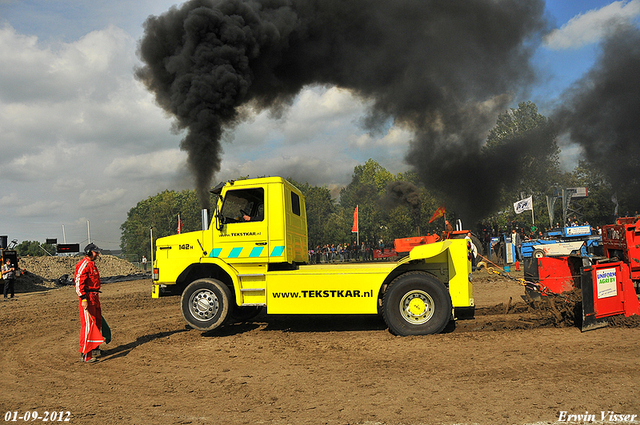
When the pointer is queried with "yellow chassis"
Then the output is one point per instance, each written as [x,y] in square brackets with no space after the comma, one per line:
[354,288]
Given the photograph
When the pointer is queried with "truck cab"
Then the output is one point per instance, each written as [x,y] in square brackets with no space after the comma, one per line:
[261,221]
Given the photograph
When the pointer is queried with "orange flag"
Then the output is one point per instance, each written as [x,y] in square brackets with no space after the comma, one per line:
[355,221]
[179,224]
[439,213]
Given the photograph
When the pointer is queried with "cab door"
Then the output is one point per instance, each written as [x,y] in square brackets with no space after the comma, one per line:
[243,236]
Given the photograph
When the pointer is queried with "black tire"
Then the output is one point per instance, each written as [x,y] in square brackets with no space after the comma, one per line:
[244,314]
[538,253]
[205,304]
[425,295]
[478,244]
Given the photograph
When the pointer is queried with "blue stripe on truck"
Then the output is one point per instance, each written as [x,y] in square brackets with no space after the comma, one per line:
[277,251]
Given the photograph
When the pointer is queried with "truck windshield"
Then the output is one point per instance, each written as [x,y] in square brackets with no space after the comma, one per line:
[243,205]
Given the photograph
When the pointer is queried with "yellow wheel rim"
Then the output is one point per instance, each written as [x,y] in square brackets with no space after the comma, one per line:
[417,307]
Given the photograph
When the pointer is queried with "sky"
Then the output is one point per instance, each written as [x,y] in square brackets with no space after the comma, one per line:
[82,141]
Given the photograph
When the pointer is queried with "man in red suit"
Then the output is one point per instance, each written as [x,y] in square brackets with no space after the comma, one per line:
[87,279]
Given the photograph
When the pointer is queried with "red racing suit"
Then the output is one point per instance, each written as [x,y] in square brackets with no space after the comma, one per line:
[87,280]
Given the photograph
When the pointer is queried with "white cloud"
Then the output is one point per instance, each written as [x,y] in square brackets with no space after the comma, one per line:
[323,167]
[81,92]
[591,26]
[88,67]
[72,110]
[316,110]
[95,198]
[41,208]
[40,163]
[394,138]
[11,200]
[67,184]
[320,110]
[148,165]
[319,141]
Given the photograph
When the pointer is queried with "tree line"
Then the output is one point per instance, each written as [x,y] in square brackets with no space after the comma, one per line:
[34,249]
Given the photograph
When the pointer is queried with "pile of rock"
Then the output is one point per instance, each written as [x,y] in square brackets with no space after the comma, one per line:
[43,272]
[53,267]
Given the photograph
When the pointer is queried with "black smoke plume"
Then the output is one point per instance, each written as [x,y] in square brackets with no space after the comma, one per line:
[601,112]
[401,193]
[441,68]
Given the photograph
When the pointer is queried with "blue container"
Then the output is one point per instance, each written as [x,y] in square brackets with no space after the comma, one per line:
[507,269]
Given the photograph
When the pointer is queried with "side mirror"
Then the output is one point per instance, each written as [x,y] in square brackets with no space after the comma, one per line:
[220,221]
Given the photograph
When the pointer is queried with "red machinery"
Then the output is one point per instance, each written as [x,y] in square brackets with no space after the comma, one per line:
[609,284]
[622,241]
[607,290]
[559,274]
[402,246]
[384,253]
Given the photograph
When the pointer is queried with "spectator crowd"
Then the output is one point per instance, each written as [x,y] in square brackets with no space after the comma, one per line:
[341,253]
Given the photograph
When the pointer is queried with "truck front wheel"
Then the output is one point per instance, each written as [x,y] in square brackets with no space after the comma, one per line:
[416,303]
[205,304]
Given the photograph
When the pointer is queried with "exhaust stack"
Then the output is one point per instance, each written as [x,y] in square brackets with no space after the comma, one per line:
[205,219]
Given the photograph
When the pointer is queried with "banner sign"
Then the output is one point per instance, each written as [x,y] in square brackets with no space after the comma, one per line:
[523,205]
[606,283]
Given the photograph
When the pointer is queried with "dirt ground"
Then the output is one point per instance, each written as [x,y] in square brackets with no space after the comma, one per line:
[523,367]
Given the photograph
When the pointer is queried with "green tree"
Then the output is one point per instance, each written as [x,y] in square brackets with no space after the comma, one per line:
[429,203]
[368,183]
[337,227]
[320,207]
[400,223]
[160,212]
[372,172]
[532,137]
[34,249]
[597,207]
[535,139]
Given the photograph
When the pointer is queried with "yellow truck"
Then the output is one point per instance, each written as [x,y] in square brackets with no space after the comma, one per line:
[254,255]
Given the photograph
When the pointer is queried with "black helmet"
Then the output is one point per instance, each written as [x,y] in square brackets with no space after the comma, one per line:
[91,247]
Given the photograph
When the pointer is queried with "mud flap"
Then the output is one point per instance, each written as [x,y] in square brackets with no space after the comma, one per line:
[589,320]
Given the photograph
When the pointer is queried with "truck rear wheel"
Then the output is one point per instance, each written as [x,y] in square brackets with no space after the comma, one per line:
[205,304]
[416,303]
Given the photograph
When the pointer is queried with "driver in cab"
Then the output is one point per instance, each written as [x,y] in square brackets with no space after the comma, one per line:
[259,214]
